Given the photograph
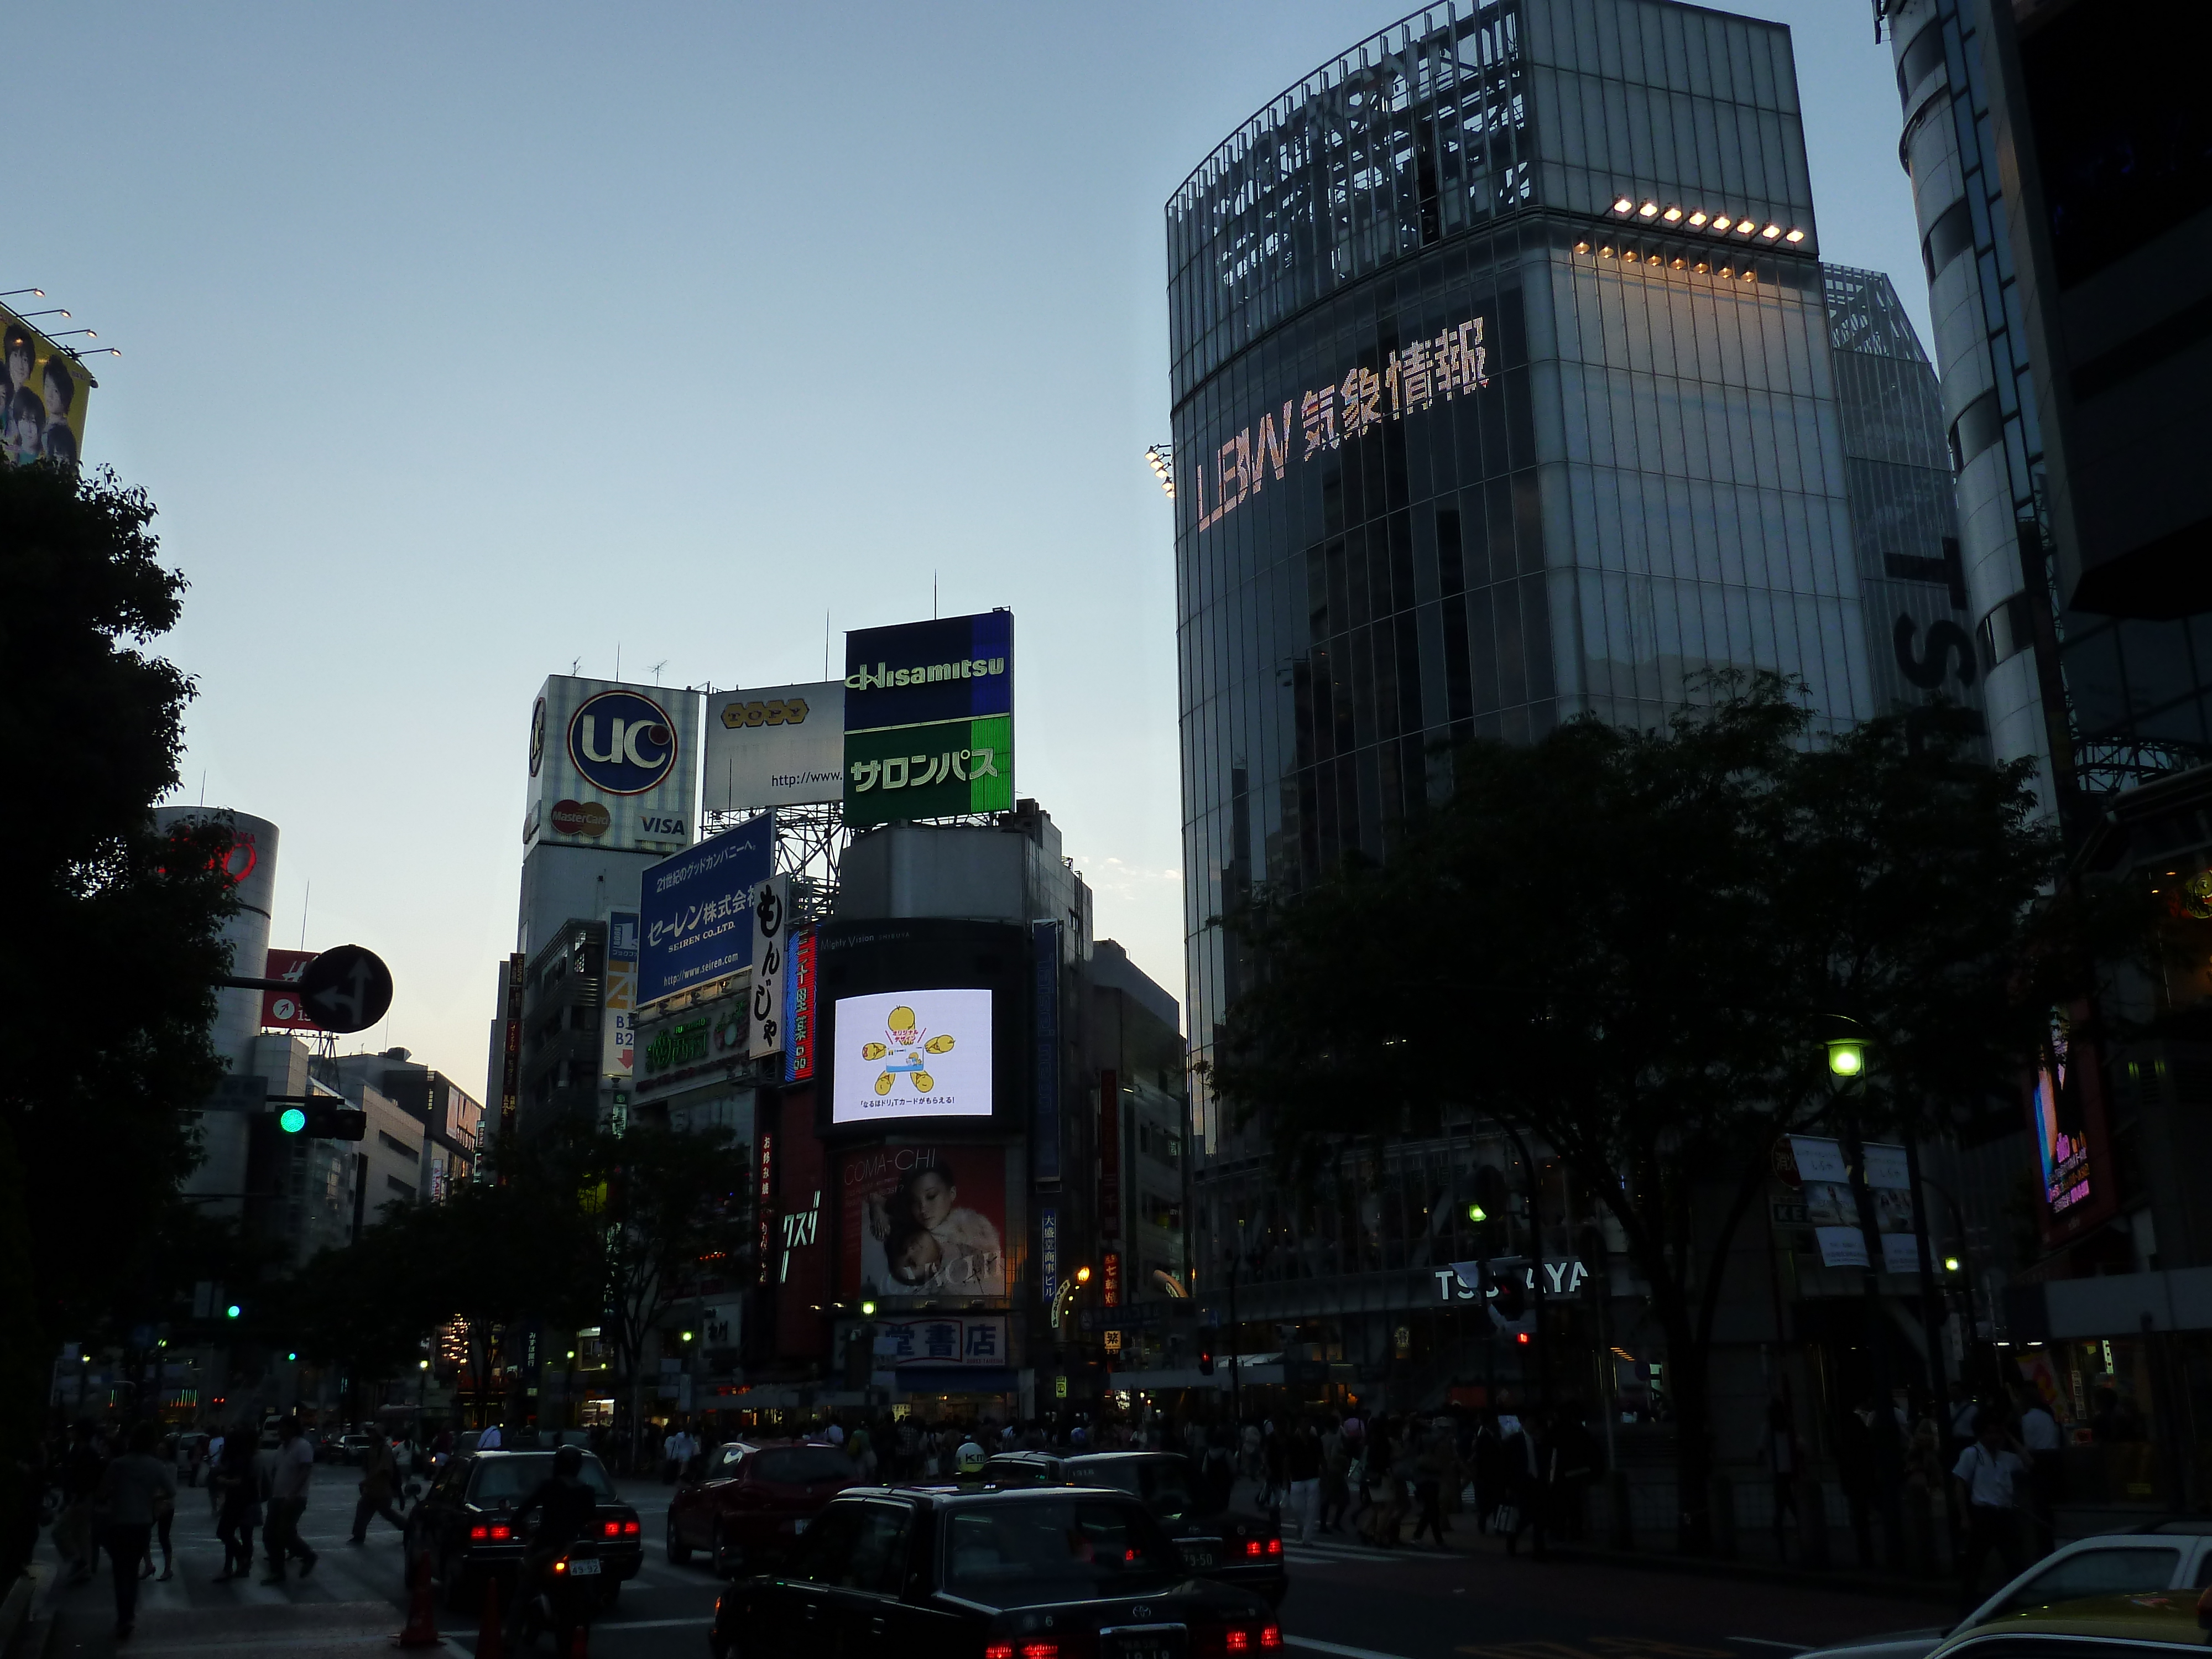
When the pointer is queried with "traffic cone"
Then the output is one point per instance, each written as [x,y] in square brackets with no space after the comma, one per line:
[491,1635]
[579,1642]
[421,1629]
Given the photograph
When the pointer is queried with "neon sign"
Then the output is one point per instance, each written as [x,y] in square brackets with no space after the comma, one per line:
[1413,378]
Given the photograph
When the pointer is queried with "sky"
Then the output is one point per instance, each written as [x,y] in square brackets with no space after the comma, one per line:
[464,343]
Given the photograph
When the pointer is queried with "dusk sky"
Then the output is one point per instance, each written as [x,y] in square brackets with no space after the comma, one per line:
[464,343]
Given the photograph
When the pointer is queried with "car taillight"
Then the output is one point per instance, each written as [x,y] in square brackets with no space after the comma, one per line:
[1237,1641]
[1271,1635]
[1254,1547]
[1040,1651]
[998,1651]
[612,1529]
[500,1533]
[476,1534]
[1274,1547]
[629,1529]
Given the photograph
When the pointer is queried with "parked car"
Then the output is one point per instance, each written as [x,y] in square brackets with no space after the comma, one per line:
[1244,1550]
[356,1448]
[888,1572]
[752,1499]
[469,1523]
[2162,1556]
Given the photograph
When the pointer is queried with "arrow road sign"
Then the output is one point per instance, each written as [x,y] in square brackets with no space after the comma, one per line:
[346,989]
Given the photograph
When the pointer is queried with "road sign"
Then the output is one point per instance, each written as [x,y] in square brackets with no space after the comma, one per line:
[346,989]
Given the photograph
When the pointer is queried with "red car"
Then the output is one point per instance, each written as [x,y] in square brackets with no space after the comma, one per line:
[753,1499]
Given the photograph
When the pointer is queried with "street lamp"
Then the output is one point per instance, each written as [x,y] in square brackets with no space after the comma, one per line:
[1847,1058]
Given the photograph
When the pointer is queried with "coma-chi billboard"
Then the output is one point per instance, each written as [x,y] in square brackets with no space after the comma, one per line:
[612,765]
[43,394]
[912,1054]
[927,1219]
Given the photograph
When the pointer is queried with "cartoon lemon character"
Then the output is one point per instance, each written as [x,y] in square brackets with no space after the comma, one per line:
[907,1052]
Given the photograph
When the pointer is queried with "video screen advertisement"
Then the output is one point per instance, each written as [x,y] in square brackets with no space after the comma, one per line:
[612,765]
[929,719]
[924,1219]
[921,1023]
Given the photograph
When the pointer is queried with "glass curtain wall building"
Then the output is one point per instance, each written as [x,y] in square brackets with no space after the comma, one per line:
[1501,393]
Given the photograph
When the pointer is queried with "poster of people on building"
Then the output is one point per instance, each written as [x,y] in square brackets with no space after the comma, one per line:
[925,1220]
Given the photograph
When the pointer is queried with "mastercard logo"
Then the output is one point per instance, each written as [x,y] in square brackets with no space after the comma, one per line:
[580,817]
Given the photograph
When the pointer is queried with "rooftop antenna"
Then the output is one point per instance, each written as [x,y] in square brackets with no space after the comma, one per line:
[618,659]
[825,644]
[575,664]
[304,900]
[933,596]
[657,667]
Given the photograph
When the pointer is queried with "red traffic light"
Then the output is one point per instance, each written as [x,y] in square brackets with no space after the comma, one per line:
[1522,1337]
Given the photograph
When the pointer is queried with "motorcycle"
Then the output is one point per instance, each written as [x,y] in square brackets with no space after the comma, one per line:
[568,1593]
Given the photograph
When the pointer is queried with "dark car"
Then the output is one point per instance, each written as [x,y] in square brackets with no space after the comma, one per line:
[1244,1550]
[358,1448]
[887,1572]
[468,1522]
[753,1499]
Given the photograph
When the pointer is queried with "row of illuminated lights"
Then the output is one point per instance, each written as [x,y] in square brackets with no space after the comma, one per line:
[1236,1638]
[1720,224]
[1702,267]
[495,1532]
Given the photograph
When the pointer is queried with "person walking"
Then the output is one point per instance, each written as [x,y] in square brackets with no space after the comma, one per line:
[237,1481]
[2046,1468]
[132,1491]
[288,1502]
[216,1441]
[377,1484]
[1988,1477]
[1335,1478]
[75,1536]
[1302,1466]
[1527,1472]
[1432,1451]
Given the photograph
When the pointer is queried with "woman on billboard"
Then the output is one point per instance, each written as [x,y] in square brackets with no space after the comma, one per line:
[934,1244]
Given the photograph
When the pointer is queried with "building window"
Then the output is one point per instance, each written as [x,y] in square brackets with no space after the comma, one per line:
[394,1143]
[1951,236]
[400,1186]
[1979,425]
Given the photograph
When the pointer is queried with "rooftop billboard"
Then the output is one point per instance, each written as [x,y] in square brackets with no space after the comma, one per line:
[612,765]
[43,393]
[929,719]
[695,910]
[776,746]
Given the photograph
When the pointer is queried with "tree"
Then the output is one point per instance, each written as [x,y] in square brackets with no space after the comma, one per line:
[95,1113]
[1630,945]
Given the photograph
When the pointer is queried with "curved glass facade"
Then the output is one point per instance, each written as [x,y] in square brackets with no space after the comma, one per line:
[1502,393]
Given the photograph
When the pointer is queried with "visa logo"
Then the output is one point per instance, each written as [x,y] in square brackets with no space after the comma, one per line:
[663,826]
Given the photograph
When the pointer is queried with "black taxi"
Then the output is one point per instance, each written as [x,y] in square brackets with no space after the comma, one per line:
[1042,1572]
[1244,1550]
[470,1522]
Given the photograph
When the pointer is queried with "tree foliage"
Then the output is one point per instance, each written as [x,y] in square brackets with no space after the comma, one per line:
[1631,946]
[107,995]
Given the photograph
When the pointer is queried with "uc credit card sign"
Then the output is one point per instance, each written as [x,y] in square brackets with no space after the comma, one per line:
[929,719]
[695,910]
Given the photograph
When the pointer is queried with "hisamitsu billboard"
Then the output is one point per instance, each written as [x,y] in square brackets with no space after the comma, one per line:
[695,910]
[929,719]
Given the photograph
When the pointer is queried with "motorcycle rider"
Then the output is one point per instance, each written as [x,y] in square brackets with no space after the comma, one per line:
[567,1510]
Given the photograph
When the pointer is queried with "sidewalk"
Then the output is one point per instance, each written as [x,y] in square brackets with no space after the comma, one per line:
[1463,1537]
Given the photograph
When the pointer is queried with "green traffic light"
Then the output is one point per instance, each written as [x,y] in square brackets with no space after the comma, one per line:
[1476,1212]
[231,1312]
[292,1120]
[291,1356]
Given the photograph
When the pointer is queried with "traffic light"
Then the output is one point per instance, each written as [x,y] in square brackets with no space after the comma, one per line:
[322,1119]
[1206,1359]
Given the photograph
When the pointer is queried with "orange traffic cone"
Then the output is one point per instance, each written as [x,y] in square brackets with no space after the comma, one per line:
[491,1635]
[421,1629]
[579,1645]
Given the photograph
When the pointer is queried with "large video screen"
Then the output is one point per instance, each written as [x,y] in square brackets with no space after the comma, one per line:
[905,1055]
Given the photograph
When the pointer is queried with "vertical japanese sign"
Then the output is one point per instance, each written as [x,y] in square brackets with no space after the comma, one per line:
[1111,1278]
[1044,1143]
[1048,1253]
[771,911]
[763,1195]
[1110,1157]
[929,719]
[618,1030]
[798,994]
[510,1080]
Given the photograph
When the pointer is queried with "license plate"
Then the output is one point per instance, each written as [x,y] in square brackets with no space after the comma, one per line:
[583,1570]
[1201,1556]
[1146,1642]
[799,1526]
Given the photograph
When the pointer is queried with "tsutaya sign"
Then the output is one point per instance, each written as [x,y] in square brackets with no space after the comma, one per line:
[1413,378]
[1462,1280]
